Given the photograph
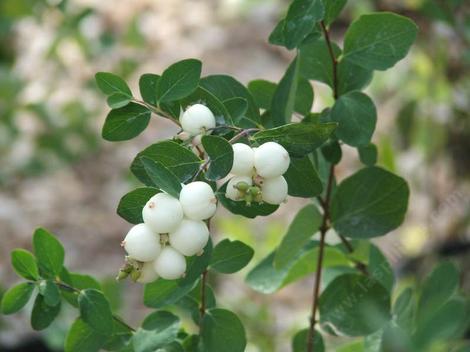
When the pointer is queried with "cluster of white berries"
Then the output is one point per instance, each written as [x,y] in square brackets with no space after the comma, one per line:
[172,229]
[257,173]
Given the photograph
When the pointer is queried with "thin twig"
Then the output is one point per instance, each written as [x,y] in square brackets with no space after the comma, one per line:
[334,62]
[202,308]
[243,134]
[157,110]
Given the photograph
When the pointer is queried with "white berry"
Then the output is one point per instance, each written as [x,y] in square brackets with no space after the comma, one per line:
[271,160]
[198,201]
[170,264]
[243,159]
[147,273]
[232,192]
[274,190]
[142,244]
[190,237]
[196,119]
[162,213]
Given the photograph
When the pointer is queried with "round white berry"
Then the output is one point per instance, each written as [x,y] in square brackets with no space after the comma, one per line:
[147,273]
[198,201]
[271,160]
[232,192]
[274,190]
[162,213]
[197,118]
[170,264]
[190,237]
[243,159]
[142,244]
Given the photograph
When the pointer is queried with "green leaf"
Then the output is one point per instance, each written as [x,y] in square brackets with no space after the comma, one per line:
[148,87]
[380,269]
[49,252]
[96,311]
[305,224]
[378,41]
[178,159]
[302,178]
[283,103]
[332,152]
[368,154]
[230,256]
[300,20]
[179,80]
[369,203]
[118,100]
[263,92]
[403,309]
[158,330]
[442,323]
[316,63]
[356,116]
[16,297]
[24,264]
[222,330]
[332,10]
[165,292]
[82,337]
[43,314]
[50,291]
[438,287]
[355,305]
[192,301]
[226,87]
[78,281]
[265,278]
[240,207]
[352,77]
[111,84]
[220,154]
[131,204]
[298,138]
[304,97]
[237,107]
[299,342]
[162,177]
[126,122]
[120,339]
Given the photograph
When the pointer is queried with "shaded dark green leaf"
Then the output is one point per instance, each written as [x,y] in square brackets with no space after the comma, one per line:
[178,159]
[355,305]
[263,92]
[377,41]
[302,178]
[158,330]
[126,122]
[352,77]
[380,269]
[50,291]
[237,107]
[369,203]
[299,342]
[162,177]
[222,330]
[96,311]
[148,87]
[179,80]
[230,256]
[131,204]
[332,10]
[43,314]
[220,154]
[368,154]
[298,138]
[283,102]
[82,337]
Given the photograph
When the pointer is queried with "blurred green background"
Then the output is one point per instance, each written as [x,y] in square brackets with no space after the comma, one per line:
[56,172]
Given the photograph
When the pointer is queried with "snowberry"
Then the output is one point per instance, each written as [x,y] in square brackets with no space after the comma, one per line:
[274,190]
[243,159]
[190,237]
[198,201]
[142,244]
[170,264]
[162,213]
[271,160]
[197,118]
[147,273]
[233,191]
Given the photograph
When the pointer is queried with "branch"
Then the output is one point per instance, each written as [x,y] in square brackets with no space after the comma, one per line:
[334,62]
[156,110]
[202,308]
